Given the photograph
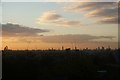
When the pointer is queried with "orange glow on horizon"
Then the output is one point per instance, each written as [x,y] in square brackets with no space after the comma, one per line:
[16,43]
[44,46]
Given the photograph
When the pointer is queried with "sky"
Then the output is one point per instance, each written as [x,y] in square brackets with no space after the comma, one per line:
[59,0]
[44,25]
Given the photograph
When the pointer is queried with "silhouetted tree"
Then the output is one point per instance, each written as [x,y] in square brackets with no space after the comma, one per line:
[6,48]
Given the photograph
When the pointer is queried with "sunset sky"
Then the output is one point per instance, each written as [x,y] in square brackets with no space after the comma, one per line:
[43,25]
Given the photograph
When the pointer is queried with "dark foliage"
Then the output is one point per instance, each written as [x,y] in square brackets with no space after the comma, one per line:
[61,65]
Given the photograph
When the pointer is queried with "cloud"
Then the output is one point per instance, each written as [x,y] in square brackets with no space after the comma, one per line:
[16,30]
[85,39]
[103,13]
[53,18]
[68,23]
[49,16]
[109,20]
[74,38]
[88,6]
[97,10]
[67,38]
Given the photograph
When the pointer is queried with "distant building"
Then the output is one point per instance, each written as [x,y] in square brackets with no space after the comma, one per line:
[6,48]
[68,49]
[75,48]
[98,48]
[103,48]
[62,47]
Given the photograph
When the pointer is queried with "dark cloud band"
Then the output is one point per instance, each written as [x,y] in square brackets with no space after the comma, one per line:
[16,30]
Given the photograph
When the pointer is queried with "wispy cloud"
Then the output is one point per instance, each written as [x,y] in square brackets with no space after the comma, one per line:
[56,19]
[97,10]
[49,16]
[76,38]
[16,30]
[109,20]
